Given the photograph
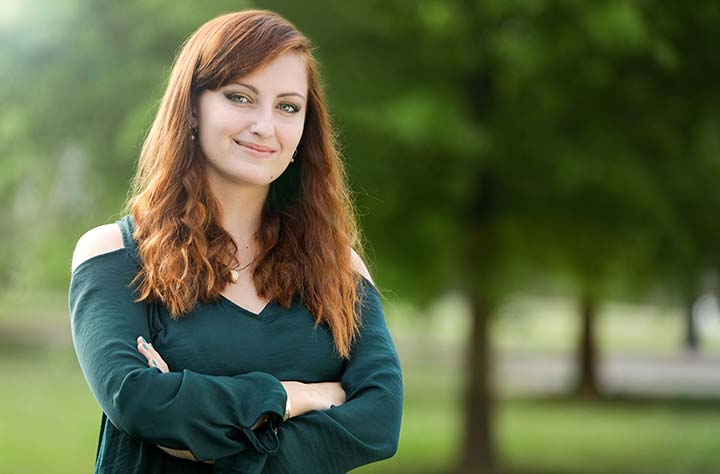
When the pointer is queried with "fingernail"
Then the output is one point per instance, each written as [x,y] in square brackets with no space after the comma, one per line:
[142,339]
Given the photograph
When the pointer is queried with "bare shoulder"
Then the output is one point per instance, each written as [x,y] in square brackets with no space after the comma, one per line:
[359,266]
[98,240]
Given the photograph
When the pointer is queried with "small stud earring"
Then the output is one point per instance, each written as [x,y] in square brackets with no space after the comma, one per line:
[193,134]
[295,153]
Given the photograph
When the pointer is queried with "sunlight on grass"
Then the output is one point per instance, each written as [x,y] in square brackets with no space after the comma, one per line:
[50,424]
[51,420]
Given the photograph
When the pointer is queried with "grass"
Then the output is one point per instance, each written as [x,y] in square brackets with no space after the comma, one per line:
[50,419]
[614,436]
[50,423]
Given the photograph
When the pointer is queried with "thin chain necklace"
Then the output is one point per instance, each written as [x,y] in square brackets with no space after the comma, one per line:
[235,273]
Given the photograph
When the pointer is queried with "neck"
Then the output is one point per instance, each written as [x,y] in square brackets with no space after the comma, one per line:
[241,206]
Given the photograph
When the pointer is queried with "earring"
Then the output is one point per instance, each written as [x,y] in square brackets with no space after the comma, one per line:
[295,153]
[193,134]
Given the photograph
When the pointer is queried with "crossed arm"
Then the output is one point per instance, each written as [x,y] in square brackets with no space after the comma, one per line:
[181,409]
[365,429]
[334,393]
[186,411]
[306,397]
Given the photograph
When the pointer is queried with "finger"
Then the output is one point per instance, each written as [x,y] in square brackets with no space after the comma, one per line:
[158,358]
[153,357]
[161,365]
[142,345]
[146,353]
[158,365]
[153,352]
[147,349]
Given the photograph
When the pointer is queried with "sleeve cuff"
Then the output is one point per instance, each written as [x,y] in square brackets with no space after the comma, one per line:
[265,439]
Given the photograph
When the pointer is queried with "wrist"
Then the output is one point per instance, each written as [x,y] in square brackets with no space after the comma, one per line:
[288,408]
[297,398]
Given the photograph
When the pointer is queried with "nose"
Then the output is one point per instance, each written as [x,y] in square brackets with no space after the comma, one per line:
[263,126]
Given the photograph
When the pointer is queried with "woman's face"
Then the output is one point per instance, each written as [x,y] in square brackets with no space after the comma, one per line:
[264,110]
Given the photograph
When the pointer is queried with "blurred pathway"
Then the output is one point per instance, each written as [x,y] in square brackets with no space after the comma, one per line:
[674,374]
[546,372]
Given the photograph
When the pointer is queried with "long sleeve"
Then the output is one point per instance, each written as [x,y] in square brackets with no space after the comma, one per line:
[209,415]
[364,429]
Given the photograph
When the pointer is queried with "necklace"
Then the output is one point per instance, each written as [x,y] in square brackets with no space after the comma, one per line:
[235,274]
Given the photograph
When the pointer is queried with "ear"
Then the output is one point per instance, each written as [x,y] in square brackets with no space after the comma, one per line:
[193,119]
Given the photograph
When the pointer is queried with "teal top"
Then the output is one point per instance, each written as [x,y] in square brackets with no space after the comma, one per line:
[226,364]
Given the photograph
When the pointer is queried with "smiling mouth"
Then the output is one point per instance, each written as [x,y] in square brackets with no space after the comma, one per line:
[253,151]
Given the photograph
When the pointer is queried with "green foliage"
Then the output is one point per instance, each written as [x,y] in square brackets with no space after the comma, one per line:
[486,141]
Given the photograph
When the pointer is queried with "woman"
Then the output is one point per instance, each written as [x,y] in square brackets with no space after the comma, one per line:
[225,323]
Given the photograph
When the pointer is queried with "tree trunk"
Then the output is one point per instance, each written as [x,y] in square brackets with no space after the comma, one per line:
[477,454]
[587,380]
[692,341]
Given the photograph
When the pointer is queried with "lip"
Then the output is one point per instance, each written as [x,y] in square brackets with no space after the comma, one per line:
[254,149]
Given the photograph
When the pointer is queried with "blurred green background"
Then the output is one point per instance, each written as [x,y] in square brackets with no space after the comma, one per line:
[536,182]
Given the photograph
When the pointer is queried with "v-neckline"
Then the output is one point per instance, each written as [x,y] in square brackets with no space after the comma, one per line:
[259,315]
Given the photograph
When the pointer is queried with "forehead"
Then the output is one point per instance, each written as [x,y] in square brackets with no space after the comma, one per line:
[285,73]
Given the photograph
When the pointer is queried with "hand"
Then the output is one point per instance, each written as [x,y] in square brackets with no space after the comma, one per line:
[327,394]
[305,397]
[182,454]
[153,357]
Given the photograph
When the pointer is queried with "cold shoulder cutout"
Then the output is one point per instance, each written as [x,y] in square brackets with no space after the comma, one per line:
[99,240]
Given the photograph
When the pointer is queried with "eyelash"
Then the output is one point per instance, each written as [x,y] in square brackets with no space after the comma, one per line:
[297,109]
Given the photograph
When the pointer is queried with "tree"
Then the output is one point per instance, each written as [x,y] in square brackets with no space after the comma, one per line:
[499,137]
[490,144]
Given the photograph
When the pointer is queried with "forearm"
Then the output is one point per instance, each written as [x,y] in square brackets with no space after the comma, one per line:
[293,390]
[186,454]
[209,415]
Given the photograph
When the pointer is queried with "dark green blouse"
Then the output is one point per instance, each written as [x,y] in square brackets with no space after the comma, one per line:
[226,364]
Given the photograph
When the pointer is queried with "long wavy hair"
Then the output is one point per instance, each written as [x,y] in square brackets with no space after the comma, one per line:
[308,224]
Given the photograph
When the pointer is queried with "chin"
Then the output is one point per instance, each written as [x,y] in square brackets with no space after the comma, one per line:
[241,175]
[249,180]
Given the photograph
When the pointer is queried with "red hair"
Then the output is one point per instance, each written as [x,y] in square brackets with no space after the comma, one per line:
[308,225]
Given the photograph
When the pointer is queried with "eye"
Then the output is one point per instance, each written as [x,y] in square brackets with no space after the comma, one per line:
[292,109]
[231,96]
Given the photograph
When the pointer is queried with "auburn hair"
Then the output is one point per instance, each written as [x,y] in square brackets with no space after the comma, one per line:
[308,225]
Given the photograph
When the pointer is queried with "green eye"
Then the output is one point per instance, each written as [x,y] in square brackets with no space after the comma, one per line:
[292,110]
[232,96]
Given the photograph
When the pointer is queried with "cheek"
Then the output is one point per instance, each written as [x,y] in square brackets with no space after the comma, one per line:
[223,124]
[220,118]
[290,134]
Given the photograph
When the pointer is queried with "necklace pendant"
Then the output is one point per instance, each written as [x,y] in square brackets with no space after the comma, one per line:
[234,275]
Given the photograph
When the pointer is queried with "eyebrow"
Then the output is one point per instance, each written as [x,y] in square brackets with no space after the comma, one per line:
[254,89]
